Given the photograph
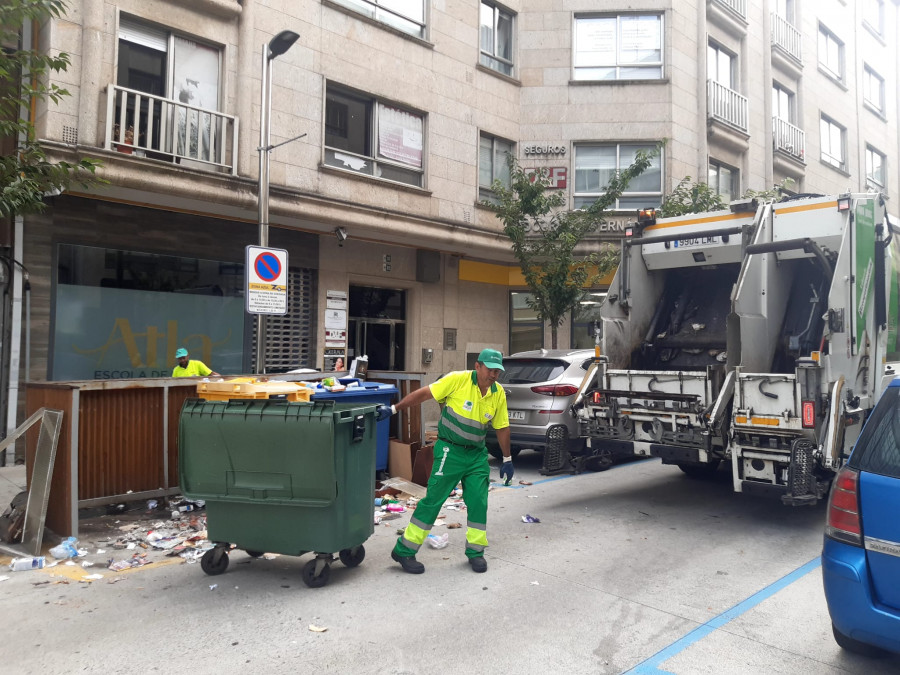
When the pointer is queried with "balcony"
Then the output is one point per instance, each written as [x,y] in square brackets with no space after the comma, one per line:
[726,105]
[162,128]
[787,41]
[788,139]
[739,7]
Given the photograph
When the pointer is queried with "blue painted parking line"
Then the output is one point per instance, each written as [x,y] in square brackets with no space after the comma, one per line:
[573,475]
[651,665]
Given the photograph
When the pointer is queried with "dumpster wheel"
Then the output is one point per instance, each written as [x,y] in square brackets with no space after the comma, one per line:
[351,557]
[313,580]
[215,560]
[254,554]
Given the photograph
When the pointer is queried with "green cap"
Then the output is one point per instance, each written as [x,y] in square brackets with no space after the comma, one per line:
[491,358]
[181,351]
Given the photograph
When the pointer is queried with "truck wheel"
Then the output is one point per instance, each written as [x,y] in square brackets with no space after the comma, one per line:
[707,470]
[855,646]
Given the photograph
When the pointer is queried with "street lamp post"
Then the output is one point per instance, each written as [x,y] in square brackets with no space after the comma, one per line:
[277,46]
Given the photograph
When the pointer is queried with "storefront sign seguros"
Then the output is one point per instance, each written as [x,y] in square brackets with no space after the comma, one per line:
[532,149]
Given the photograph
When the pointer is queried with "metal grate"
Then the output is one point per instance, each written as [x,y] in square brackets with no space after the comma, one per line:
[556,455]
[801,481]
[450,339]
[70,135]
[290,339]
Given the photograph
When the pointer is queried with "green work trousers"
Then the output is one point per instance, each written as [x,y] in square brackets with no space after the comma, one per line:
[452,464]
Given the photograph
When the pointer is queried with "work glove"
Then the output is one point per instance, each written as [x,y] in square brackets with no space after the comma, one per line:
[507,470]
[382,412]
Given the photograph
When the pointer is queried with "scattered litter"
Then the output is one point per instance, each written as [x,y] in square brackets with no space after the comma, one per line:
[525,482]
[698,326]
[533,496]
[389,516]
[453,526]
[4,578]
[137,560]
[406,486]
[527,518]
[69,562]
[535,583]
[87,563]
[68,548]
[438,541]
[213,587]
[101,551]
[115,580]
[92,577]
[24,564]
[270,556]
[317,629]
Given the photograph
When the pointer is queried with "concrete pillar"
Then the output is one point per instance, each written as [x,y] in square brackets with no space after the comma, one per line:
[92,84]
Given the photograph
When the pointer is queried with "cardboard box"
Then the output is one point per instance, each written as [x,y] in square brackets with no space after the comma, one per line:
[422,464]
[401,457]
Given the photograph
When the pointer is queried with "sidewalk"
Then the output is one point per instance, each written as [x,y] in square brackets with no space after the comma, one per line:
[12,482]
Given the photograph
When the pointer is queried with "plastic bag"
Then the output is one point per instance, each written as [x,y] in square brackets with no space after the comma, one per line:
[438,541]
[67,548]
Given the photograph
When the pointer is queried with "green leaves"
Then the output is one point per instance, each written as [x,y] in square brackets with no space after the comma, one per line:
[27,176]
[544,237]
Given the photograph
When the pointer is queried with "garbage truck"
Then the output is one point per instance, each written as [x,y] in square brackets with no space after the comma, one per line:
[739,336]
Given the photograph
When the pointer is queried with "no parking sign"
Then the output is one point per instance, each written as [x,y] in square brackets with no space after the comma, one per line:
[266,274]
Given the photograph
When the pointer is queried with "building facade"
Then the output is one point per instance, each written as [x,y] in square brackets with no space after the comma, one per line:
[405,111]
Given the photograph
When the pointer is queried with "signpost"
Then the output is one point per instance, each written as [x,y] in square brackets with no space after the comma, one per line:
[266,278]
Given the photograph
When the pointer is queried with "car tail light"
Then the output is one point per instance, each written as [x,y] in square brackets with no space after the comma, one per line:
[555,389]
[843,508]
[808,413]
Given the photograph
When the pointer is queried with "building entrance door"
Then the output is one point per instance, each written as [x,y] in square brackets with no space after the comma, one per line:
[377,327]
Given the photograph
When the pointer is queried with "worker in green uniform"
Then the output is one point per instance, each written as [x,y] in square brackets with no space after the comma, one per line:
[471,400]
[188,368]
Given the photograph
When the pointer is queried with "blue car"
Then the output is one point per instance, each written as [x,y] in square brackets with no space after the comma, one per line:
[861,556]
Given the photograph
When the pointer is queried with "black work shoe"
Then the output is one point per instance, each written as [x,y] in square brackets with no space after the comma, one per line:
[409,563]
[478,564]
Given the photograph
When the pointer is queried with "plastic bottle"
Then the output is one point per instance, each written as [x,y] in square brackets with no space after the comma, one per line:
[30,563]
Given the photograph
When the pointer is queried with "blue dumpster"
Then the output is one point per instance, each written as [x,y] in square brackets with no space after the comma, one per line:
[371,393]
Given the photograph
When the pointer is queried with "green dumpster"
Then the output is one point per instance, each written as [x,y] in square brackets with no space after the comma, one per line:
[281,477]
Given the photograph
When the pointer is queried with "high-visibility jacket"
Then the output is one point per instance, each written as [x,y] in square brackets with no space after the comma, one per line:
[467,414]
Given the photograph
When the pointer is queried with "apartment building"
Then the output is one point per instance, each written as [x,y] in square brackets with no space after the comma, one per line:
[395,117]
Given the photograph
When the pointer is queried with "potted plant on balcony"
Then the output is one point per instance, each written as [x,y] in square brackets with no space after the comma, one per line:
[127,139]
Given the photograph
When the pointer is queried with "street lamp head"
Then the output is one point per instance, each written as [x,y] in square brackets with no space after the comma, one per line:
[279,44]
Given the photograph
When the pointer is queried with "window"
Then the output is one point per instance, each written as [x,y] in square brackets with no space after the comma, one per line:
[873,89]
[175,68]
[873,15]
[831,53]
[875,169]
[407,16]
[782,103]
[595,164]
[492,164]
[832,140]
[586,319]
[625,47]
[368,136]
[785,9]
[720,65]
[525,331]
[496,38]
[723,180]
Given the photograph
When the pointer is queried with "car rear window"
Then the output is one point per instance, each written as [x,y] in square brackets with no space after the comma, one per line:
[878,448]
[529,371]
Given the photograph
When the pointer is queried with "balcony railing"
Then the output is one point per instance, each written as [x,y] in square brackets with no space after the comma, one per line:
[726,105]
[739,7]
[786,36]
[163,128]
[788,138]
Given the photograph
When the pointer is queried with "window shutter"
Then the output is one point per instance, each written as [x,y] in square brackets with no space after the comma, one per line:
[131,30]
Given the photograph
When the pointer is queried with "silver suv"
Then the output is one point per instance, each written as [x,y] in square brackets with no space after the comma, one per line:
[540,387]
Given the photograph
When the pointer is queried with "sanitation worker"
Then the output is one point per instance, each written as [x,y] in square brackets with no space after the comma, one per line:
[188,368]
[471,400]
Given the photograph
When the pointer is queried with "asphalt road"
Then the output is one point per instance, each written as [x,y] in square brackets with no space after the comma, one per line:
[638,569]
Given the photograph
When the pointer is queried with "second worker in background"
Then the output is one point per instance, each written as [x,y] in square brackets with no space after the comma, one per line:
[471,400]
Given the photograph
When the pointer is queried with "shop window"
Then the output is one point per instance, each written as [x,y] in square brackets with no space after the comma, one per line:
[586,320]
[623,47]
[371,137]
[526,332]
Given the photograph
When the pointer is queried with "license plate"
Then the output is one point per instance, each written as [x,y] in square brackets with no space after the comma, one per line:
[517,414]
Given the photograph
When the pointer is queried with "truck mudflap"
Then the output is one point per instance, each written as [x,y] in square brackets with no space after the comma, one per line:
[803,486]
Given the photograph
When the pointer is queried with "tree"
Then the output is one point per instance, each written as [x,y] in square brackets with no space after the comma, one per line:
[688,197]
[544,237]
[26,175]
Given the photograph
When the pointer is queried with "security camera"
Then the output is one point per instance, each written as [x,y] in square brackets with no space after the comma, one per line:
[341,235]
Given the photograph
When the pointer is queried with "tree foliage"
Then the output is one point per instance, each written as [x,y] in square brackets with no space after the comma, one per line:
[26,175]
[544,237]
[688,197]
